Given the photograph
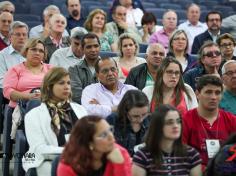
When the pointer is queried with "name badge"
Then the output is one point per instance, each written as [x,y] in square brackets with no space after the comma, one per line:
[213,146]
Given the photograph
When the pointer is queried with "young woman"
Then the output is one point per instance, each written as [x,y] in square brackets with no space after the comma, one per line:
[128,49]
[178,48]
[164,153]
[95,23]
[91,151]
[48,125]
[170,89]
[131,120]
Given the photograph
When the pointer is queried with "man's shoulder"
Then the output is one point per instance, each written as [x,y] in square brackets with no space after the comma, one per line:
[61,51]
[139,67]
[203,35]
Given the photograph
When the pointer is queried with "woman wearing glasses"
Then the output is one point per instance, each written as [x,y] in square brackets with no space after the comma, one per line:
[131,120]
[178,48]
[170,89]
[164,153]
[91,151]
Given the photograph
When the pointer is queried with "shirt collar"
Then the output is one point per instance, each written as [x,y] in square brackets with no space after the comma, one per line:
[12,50]
[120,85]
[55,42]
[199,24]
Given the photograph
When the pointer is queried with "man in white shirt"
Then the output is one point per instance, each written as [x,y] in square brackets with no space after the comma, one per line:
[193,26]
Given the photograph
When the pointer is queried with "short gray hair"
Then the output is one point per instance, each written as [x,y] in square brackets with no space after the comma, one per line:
[17,24]
[155,44]
[226,63]
[3,4]
[50,7]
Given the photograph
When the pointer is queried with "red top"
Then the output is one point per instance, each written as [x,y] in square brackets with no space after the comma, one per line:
[112,169]
[124,71]
[197,129]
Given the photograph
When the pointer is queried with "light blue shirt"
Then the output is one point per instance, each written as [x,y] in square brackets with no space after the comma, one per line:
[9,57]
[64,57]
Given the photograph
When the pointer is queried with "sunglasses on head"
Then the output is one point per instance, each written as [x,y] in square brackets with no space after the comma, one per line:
[212,53]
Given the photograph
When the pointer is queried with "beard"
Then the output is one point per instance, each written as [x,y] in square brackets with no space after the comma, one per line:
[75,13]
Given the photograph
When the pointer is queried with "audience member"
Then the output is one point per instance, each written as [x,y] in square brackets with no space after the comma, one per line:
[193,26]
[209,63]
[75,18]
[178,47]
[10,56]
[149,26]
[95,23]
[43,29]
[206,127]
[7,6]
[131,120]
[70,56]
[92,150]
[55,40]
[119,25]
[169,21]
[6,19]
[213,21]
[102,98]
[83,74]
[144,74]
[164,153]
[47,125]
[128,50]
[170,89]
[229,24]
[228,101]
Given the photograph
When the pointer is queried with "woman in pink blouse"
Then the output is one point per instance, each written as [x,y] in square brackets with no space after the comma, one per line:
[22,78]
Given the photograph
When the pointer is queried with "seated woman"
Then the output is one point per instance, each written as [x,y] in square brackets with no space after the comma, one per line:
[91,151]
[48,125]
[131,120]
[164,153]
[128,49]
[170,89]
[95,23]
[178,48]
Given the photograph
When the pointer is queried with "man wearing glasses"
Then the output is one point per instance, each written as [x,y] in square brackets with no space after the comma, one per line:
[228,101]
[213,21]
[209,63]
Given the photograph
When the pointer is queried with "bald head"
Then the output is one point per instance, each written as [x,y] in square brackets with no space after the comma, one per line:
[6,19]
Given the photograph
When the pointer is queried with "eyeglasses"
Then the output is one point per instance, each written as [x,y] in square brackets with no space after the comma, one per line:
[35,50]
[105,134]
[158,53]
[212,53]
[230,73]
[214,19]
[179,38]
[106,70]
[225,45]
[172,72]
[171,122]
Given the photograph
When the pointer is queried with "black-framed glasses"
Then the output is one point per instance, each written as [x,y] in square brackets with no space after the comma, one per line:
[34,50]
[230,73]
[212,53]
[106,70]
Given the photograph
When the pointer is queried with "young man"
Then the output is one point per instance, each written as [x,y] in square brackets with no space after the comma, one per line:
[206,127]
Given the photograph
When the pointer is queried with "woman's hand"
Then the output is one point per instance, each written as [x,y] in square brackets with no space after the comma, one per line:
[34,95]
[115,156]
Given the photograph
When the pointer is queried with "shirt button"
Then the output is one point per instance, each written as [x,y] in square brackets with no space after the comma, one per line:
[169,167]
[169,160]
[169,174]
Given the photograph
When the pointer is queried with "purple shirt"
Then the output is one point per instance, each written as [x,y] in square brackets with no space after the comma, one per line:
[160,37]
[105,98]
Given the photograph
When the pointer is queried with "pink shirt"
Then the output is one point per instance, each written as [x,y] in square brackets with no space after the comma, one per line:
[19,78]
[160,37]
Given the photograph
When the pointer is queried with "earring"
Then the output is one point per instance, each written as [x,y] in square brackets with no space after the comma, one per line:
[91,147]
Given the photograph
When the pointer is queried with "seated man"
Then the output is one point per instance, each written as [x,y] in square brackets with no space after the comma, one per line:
[102,98]
[83,74]
[228,101]
[206,127]
[6,19]
[72,55]
[145,74]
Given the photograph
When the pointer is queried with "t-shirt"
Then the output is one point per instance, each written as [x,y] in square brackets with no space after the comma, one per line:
[196,130]
[172,165]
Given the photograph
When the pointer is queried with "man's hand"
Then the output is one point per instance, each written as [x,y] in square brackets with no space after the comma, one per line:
[93,101]
[122,24]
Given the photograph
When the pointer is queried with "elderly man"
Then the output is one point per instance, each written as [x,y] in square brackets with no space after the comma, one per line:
[42,30]
[75,18]
[6,19]
[193,26]
[228,101]
[213,21]
[7,6]
[83,74]
[119,25]
[169,21]
[102,98]
[210,60]
[55,40]
[145,74]
[70,56]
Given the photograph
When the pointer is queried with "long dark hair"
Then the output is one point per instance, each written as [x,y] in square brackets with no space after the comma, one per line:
[155,135]
[77,153]
[159,83]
